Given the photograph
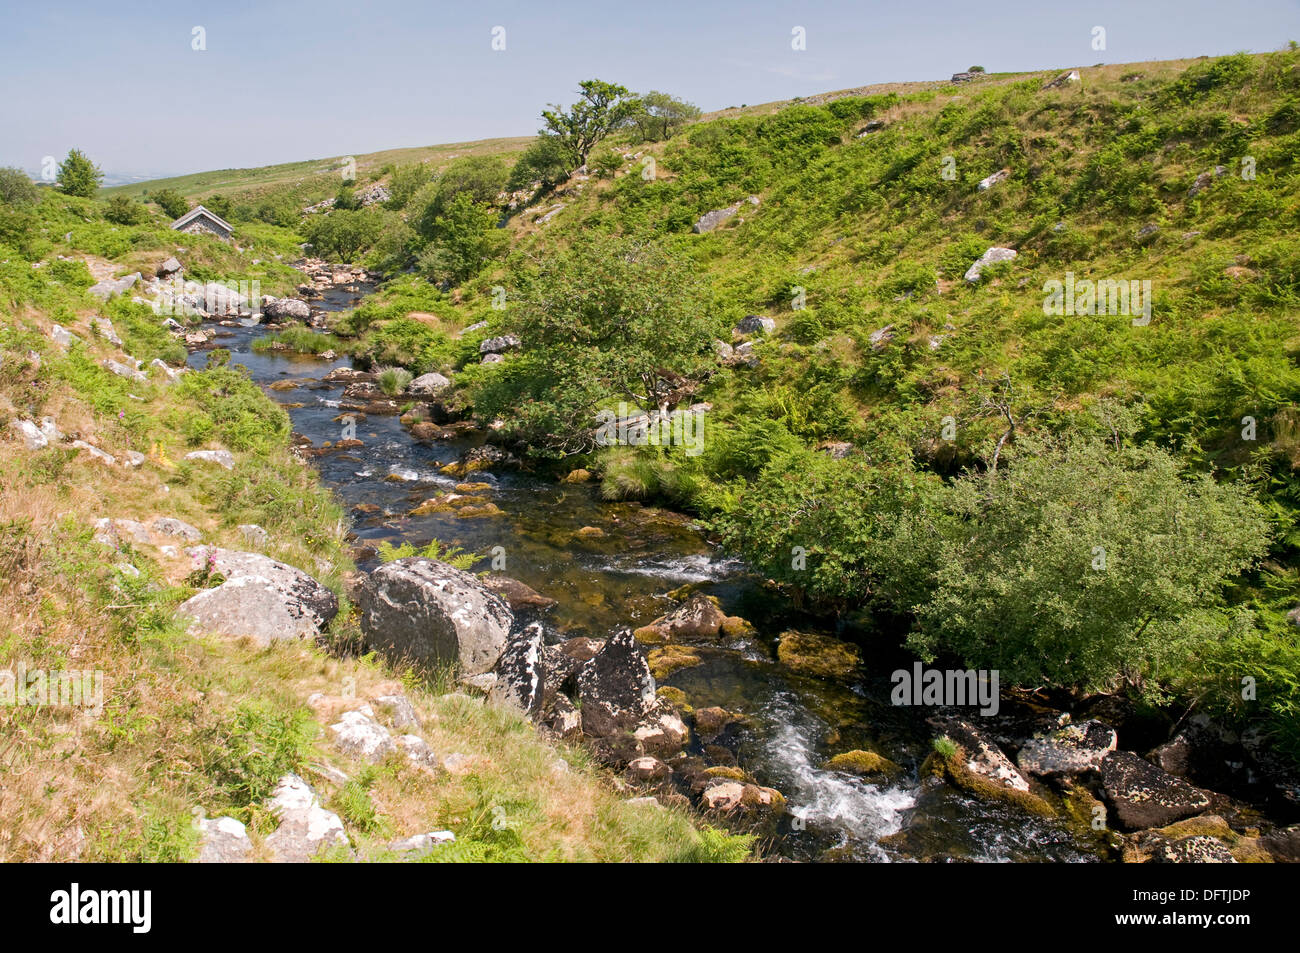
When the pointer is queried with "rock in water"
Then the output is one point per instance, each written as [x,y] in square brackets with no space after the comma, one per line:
[616,688]
[286,308]
[260,598]
[429,613]
[1144,796]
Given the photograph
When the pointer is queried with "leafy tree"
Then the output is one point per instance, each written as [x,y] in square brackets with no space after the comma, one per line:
[659,116]
[838,532]
[346,198]
[479,178]
[16,189]
[405,181]
[124,210]
[343,233]
[465,238]
[171,202]
[602,108]
[220,205]
[78,175]
[1081,565]
[546,161]
[611,319]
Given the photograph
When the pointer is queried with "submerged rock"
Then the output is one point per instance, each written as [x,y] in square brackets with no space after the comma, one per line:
[820,655]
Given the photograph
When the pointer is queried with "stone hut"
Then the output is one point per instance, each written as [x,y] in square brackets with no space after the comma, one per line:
[199,220]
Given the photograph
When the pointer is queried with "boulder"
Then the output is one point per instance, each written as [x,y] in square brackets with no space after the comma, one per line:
[432,614]
[615,688]
[983,757]
[819,655]
[357,733]
[222,458]
[517,595]
[114,532]
[1205,180]
[1065,79]
[1069,751]
[113,286]
[30,435]
[498,345]
[399,711]
[305,826]
[254,534]
[168,268]
[755,324]
[428,385]
[223,840]
[286,309]
[1144,796]
[698,617]
[170,526]
[422,843]
[62,336]
[990,257]
[1000,176]
[648,769]
[260,598]
[104,328]
[122,370]
[520,673]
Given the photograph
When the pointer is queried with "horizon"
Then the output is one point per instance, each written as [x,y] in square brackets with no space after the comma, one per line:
[255,95]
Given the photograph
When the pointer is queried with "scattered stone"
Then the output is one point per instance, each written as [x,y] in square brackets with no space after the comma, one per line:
[121,370]
[1205,180]
[755,324]
[62,336]
[401,713]
[169,526]
[990,257]
[105,329]
[170,267]
[497,345]
[30,434]
[223,840]
[254,534]
[95,452]
[646,769]
[358,734]
[422,843]
[1000,176]
[222,458]
[305,826]
[113,532]
[878,339]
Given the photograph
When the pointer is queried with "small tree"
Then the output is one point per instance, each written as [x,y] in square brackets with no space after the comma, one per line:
[16,189]
[171,202]
[123,210]
[78,175]
[603,107]
[465,238]
[660,116]
[1081,565]
[546,161]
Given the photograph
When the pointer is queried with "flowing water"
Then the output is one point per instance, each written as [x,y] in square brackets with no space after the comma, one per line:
[793,724]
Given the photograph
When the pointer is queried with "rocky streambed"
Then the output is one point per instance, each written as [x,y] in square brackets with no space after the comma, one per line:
[620,624]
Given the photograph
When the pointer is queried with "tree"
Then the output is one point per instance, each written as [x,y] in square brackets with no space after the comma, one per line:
[612,319]
[547,161]
[16,189]
[78,175]
[124,210]
[219,205]
[343,233]
[660,116]
[603,107]
[1084,564]
[405,181]
[464,239]
[480,178]
[171,202]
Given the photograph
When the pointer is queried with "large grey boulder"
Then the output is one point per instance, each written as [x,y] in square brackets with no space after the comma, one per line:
[432,614]
[114,286]
[1071,750]
[615,688]
[260,598]
[990,257]
[428,385]
[281,309]
[1145,796]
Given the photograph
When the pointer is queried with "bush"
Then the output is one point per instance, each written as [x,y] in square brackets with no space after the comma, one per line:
[16,189]
[171,202]
[78,175]
[123,210]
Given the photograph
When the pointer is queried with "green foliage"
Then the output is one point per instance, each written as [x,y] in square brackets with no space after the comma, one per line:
[393,380]
[659,116]
[344,234]
[602,108]
[453,556]
[250,751]
[78,175]
[547,161]
[229,407]
[123,210]
[1082,563]
[16,189]
[463,239]
[171,202]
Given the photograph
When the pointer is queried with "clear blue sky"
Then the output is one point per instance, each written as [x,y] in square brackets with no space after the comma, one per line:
[282,80]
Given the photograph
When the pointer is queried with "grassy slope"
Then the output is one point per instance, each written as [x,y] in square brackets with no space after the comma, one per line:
[203,723]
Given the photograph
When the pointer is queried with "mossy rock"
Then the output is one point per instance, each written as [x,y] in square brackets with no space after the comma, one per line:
[472,487]
[437,504]
[590,532]
[863,763]
[486,509]
[960,776]
[726,771]
[459,501]
[671,658]
[819,655]
[453,469]
[734,627]
[577,476]
[675,697]
[649,635]
[1160,842]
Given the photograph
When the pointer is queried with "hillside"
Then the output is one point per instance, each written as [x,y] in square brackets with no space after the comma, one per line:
[1000,375]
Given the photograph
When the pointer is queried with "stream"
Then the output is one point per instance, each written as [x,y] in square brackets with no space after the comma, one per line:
[793,725]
